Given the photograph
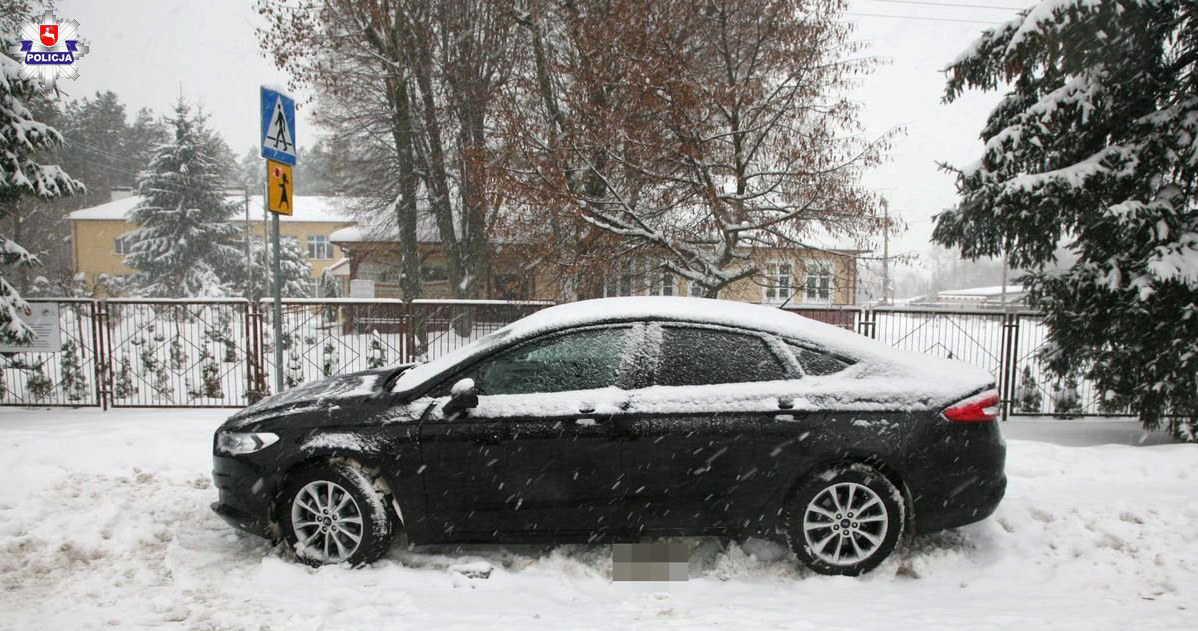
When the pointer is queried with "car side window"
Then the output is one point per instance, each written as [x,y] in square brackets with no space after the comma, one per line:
[815,363]
[581,360]
[693,356]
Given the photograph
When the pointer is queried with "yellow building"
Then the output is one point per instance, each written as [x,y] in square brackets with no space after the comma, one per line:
[98,245]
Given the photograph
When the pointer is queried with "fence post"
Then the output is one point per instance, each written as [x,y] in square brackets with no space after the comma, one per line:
[409,333]
[866,322]
[1009,359]
[247,323]
[102,354]
[255,334]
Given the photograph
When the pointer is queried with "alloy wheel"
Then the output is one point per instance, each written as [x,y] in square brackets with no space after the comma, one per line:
[327,522]
[845,523]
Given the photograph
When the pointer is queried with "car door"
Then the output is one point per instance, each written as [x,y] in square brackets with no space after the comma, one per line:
[554,464]
[706,445]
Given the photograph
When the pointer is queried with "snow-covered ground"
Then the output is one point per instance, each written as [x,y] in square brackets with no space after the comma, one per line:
[104,523]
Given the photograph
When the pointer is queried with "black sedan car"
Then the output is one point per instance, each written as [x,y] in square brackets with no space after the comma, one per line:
[621,419]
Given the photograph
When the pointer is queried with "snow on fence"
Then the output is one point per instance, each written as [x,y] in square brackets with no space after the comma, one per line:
[219,353]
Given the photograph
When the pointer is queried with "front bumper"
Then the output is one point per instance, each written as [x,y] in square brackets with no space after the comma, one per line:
[245,496]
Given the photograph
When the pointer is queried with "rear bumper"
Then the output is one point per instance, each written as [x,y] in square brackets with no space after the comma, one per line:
[245,496]
[977,501]
[960,477]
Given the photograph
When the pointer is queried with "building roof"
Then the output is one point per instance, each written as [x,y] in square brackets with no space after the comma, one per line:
[307,209]
[981,292]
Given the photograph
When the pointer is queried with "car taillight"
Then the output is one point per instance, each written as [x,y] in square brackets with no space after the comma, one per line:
[980,408]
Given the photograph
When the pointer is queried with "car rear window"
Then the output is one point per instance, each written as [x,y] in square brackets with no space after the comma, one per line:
[816,363]
[693,356]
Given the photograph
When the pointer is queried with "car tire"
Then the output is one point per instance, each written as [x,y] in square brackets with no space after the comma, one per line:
[332,514]
[845,520]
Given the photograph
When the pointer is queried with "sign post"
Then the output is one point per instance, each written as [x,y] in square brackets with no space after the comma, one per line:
[279,149]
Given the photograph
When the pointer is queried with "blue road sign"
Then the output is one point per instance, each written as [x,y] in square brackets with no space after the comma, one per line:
[278,126]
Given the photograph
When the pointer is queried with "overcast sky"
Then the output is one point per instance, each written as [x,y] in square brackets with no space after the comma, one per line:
[148,50]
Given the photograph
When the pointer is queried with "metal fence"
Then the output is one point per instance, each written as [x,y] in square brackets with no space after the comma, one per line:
[219,353]
[1007,344]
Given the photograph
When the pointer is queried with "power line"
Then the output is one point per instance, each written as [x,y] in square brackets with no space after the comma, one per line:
[991,7]
[912,17]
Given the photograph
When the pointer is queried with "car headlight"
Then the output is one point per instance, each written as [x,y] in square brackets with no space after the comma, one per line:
[235,444]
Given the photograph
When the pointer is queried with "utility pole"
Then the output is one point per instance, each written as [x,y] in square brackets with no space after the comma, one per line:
[885,252]
[249,232]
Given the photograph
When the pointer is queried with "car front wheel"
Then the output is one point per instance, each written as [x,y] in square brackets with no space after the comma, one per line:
[845,520]
[332,514]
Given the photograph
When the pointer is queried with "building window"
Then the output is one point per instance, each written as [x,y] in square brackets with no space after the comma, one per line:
[695,290]
[778,282]
[122,245]
[378,272]
[622,279]
[319,247]
[434,272]
[662,283]
[819,281]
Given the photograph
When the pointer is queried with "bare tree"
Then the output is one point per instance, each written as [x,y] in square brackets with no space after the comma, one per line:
[353,52]
[414,80]
[699,131]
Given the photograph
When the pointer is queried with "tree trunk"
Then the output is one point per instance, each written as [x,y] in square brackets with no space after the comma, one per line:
[405,206]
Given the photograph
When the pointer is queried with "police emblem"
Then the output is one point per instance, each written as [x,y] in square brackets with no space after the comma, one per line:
[48,50]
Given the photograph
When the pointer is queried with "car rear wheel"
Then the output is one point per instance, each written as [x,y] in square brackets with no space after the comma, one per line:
[332,514]
[845,520]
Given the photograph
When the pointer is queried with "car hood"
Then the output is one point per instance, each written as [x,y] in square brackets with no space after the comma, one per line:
[317,395]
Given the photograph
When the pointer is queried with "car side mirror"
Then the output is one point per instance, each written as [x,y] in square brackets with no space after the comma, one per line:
[463,396]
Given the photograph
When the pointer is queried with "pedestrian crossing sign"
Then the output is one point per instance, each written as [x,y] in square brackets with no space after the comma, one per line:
[278,126]
[279,187]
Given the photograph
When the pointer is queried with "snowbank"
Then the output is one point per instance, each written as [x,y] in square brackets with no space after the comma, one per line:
[104,523]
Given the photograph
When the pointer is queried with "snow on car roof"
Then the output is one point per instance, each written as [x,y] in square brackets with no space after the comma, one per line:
[881,360]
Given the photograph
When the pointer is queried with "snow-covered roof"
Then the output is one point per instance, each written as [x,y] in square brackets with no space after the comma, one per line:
[924,378]
[981,292]
[340,268]
[307,209]
[382,227]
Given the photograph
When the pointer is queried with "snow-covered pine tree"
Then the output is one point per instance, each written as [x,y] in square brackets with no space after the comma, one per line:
[178,355]
[184,244]
[293,263]
[1094,146]
[22,139]
[376,356]
[163,389]
[210,381]
[74,383]
[122,382]
[1066,399]
[1029,395]
[37,384]
[295,369]
[329,359]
